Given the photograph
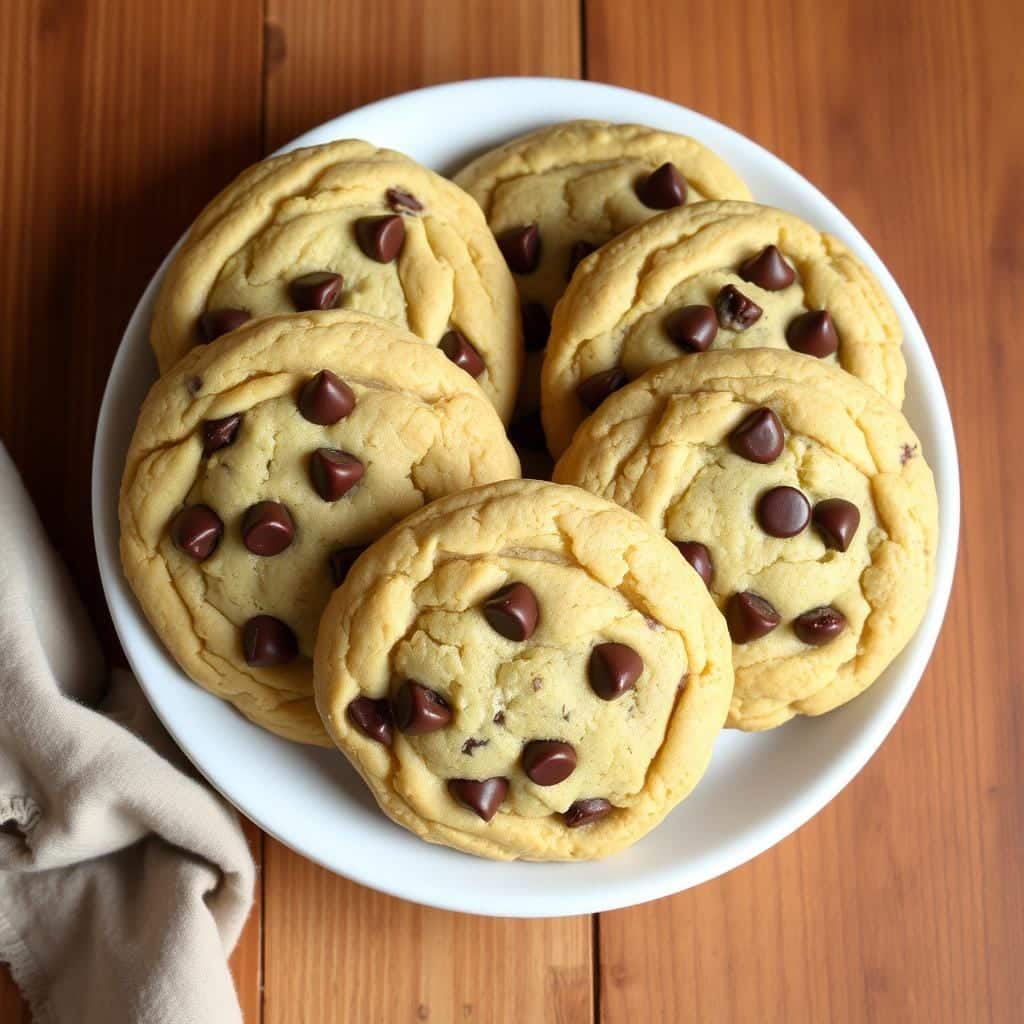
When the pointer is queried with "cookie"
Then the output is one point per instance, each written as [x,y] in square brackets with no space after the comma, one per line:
[713,276]
[553,196]
[347,225]
[260,468]
[524,671]
[800,496]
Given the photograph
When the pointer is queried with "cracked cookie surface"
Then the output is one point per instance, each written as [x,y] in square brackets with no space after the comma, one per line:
[799,493]
[524,670]
[580,184]
[346,225]
[707,277]
[262,465]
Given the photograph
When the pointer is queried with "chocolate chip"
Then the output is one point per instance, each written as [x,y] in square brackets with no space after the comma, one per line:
[455,346]
[583,812]
[813,333]
[196,531]
[662,189]
[907,452]
[768,270]
[399,199]
[220,433]
[819,626]
[749,617]
[536,326]
[759,438]
[577,254]
[267,528]
[499,718]
[341,561]
[470,745]
[537,683]
[512,611]
[699,557]
[613,669]
[334,473]
[381,238]
[548,762]
[419,710]
[836,519]
[594,390]
[783,512]
[521,248]
[692,328]
[735,311]
[268,641]
[372,718]
[215,322]
[319,290]
[194,385]
[483,797]
[325,399]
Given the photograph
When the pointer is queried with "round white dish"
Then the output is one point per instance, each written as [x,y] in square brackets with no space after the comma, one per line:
[758,789]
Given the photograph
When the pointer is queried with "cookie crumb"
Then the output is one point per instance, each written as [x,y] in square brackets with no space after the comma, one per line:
[537,683]
[194,385]
[654,625]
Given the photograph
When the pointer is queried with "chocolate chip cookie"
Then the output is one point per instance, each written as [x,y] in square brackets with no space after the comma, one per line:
[712,276]
[555,195]
[524,670]
[261,467]
[347,225]
[800,497]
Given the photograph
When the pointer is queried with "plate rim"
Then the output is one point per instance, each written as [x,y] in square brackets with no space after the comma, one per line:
[786,821]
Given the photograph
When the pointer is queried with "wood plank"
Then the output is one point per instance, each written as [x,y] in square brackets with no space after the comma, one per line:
[334,950]
[323,60]
[904,900]
[338,952]
[119,121]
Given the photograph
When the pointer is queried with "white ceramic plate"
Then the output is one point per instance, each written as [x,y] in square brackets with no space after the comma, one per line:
[758,789]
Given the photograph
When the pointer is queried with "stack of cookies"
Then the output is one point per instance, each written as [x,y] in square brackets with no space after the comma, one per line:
[324,518]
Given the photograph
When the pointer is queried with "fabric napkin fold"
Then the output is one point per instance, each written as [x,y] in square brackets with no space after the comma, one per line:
[124,881]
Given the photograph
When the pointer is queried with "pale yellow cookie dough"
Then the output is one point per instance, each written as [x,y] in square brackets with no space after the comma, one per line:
[661,447]
[420,427]
[412,609]
[614,313]
[296,214]
[577,182]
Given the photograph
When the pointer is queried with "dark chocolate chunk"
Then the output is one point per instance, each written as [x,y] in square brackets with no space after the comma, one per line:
[267,528]
[419,710]
[692,328]
[548,762]
[749,617]
[268,641]
[663,188]
[836,520]
[783,512]
[196,531]
[372,718]
[319,290]
[512,611]
[613,669]
[484,797]
[759,438]
[768,270]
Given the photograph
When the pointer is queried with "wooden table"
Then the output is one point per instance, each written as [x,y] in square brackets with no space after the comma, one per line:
[902,901]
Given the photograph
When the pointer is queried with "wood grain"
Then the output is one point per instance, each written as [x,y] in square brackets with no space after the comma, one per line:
[903,901]
[327,940]
[338,952]
[119,121]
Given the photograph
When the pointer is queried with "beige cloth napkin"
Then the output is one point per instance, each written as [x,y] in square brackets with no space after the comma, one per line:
[124,882]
